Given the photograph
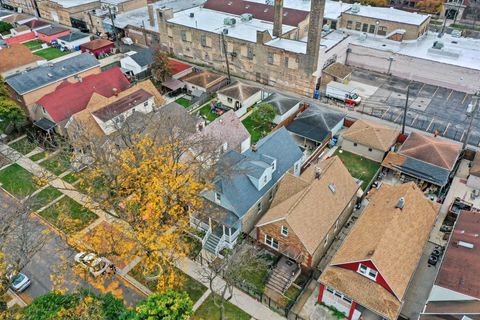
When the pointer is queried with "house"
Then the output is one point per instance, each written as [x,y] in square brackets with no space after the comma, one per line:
[98,47]
[17,58]
[74,40]
[20,30]
[50,33]
[456,290]
[315,126]
[369,139]
[138,63]
[29,87]
[239,97]
[35,25]
[423,158]
[308,212]
[371,271]
[17,18]
[284,106]
[78,93]
[228,132]
[178,70]
[103,116]
[244,189]
[474,172]
[203,81]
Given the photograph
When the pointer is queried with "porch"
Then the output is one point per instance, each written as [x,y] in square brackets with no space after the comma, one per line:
[217,235]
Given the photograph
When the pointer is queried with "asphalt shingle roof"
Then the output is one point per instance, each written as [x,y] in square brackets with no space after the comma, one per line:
[44,75]
[143,58]
[74,36]
[281,103]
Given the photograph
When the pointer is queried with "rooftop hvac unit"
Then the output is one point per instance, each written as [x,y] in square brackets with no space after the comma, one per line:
[326,28]
[456,33]
[438,45]
[355,8]
[229,21]
[225,31]
[192,14]
[246,17]
[269,2]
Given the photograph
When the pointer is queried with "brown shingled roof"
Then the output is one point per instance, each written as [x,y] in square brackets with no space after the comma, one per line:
[96,44]
[372,134]
[239,91]
[297,201]
[204,79]
[434,150]
[338,70]
[15,56]
[392,239]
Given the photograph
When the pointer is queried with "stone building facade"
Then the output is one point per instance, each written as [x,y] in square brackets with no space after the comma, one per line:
[26,6]
[56,12]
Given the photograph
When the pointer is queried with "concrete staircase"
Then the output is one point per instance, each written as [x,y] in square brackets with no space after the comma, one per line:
[212,243]
[279,281]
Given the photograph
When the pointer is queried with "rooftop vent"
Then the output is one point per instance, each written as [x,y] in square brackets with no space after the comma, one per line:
[438,45]
[225,31]
[229,21]
[332,187]
[326,28]
[355,8]
[49,74]
[400,203]
[464,244]
[246,17]
[192,14]
[254,147]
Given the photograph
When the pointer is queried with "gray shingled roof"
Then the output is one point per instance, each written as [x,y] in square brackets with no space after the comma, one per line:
[51,30]
[143,58]
[74,36]
[424,171]
[237,189]
[51,73]
[315,123]
[281,103]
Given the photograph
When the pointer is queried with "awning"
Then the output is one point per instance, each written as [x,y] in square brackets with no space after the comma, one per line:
[45,124]
[173,84]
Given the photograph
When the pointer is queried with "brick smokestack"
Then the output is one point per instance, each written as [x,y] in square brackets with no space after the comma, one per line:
[151,15]
[277,18]
[314,33]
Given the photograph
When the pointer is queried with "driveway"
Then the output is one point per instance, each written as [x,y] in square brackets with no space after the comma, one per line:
[55,259]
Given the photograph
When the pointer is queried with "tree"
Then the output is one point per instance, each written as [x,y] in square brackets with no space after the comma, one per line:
[170,305]
[5,27]
[263,114]
[9,110]
[161,70]
[430,6]
[375,3]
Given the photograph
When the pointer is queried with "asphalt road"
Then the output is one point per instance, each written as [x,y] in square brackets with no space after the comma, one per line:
[54,262]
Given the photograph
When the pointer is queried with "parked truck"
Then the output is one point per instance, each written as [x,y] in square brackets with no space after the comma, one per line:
[342,92]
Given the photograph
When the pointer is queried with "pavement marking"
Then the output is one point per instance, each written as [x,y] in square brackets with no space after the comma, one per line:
[435,92]
[464,98]
[448,125]
[416,116]
[421,88]
[385,113]
[448,98]
[399,115]
[428,128]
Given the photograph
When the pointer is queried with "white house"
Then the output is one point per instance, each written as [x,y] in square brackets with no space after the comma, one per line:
[74,40]
[284,106]
[239,97]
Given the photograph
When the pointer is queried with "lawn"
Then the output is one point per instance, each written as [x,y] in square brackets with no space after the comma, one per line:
[57,164]
[33,44]
[207,113]
[71,177]
[17,181]
[193,288]
[257,132]
[68,215]
[50,53]
[258,279]
[292,293]
[44,197]
[24,146]
[358,166]
[183,102]
[209,311]
[38,156]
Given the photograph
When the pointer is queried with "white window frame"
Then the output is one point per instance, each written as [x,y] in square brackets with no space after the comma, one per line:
[284,231]
[367,272]
[270,241]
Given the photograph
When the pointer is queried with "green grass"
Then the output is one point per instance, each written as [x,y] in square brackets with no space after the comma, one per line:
[38,156]
[207,113]
[17,181]
[24,146]
[257,279]
[257,132]
[68,215]
[209,311]
[71,177]
[358,166]
[57,164]
[44,197]
[183,102]
[192,287]
[292,293]
[50,53]
[33,44]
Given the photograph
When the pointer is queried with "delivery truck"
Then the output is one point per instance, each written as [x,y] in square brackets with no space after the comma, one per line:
[342,92]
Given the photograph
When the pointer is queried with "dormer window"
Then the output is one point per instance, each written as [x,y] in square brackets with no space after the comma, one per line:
[367,272]
[284,231]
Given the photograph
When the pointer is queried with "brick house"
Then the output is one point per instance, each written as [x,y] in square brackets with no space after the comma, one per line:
[371,271]
[308,212]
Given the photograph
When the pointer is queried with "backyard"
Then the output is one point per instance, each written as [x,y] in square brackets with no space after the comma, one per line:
[209,311]
[256,131]
[17,181]
[183,102]
[359,167]
[33,44]
[44,197]
[50,53]
[207,113]
[57,164]
[24,146]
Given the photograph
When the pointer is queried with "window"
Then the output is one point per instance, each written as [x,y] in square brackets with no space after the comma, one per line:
[372,29]
[286,62]
[367,272]
[355,144]
[284,231]
[265,179]
[273,166]
[270,195]
[218,197]
[382,31]
[296,167]
[358,26]
[330,289]
[269,241]
[349,24]
[270,58]
[203,40]
[326,241]
[250,53]
[145,103]
[365,27]
[259,207]
[370,149]
[229,99]
[184,35]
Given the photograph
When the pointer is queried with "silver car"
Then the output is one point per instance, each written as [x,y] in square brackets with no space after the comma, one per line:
[19,282]
[95,265]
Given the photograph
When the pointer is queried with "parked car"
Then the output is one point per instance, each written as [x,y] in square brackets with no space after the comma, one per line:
[19,282]
[95,265]
[127,41]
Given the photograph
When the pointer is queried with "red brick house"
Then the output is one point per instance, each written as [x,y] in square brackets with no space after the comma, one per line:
[308,211]
[98,47]
[371,271]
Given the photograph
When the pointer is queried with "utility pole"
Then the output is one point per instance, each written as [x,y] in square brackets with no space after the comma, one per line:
[113,25]
[405,109]
[472,111]
[226,57]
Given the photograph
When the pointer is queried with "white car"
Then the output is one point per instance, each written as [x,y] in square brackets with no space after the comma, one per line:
[95,265]
[19,282]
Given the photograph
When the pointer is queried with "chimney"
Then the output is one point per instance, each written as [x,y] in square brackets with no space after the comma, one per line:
[400,203]
[151,15]
[314,34]
[318,172]
[263,37]
[254,147]
[277,18]
[115,92]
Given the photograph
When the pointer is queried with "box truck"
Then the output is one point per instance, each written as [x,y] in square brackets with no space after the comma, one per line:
[343,92]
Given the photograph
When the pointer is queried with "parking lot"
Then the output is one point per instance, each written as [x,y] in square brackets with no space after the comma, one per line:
[430,108]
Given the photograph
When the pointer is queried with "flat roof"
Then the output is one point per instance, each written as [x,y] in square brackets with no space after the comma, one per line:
[389,14]
[328,41]
[463,52]
[333,9]
[72,3]
[213,21]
